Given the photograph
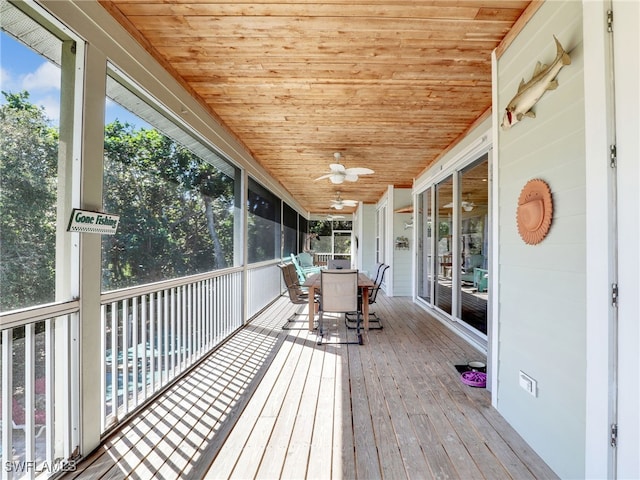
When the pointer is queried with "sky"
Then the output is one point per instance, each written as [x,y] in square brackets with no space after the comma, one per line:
[23,69]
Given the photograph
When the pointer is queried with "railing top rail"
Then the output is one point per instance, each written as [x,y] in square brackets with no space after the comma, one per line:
[129,292]
[25,316]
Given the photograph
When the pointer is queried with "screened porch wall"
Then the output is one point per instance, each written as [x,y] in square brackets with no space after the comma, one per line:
[117,325]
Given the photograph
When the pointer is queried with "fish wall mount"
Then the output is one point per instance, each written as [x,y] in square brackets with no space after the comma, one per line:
[543,79]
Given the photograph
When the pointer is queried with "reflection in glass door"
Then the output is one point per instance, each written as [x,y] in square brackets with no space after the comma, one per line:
[474,273]
[425,249]
[444,246]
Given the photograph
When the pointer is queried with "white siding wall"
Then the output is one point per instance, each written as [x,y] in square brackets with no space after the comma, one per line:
[541,309]
[364,229]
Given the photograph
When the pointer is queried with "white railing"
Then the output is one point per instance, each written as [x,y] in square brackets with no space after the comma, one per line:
[149,336]
[323,258]
[153,334]
[38,402]
[263,285]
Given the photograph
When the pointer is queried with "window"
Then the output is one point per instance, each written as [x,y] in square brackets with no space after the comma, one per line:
[29,189]
[289,231]
[331,239]
[175,196]
[303,225]
[39,185]
[263,216]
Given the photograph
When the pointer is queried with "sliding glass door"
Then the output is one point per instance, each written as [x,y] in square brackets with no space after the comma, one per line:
[424,224]
[444,245]
[452,272]
[473,284]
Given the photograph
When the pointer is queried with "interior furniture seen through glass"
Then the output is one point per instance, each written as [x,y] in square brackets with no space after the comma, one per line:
[473,267]
[444,246]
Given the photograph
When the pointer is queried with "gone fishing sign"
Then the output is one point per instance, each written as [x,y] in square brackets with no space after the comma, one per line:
[84,221]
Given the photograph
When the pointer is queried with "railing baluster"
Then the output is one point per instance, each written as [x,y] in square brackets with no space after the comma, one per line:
[193,322]
[49,369]
[178,342]
[103,367]
[173,333]
[216,318]
[184,339]
[29,396]
[167,330]
[165,317]
[134,344]
[143,331]
[153,346]
[125,356]
[207,302]
[7,397]
[114,360]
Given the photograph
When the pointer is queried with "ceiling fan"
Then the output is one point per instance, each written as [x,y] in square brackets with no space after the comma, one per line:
[339,203]
[339,173]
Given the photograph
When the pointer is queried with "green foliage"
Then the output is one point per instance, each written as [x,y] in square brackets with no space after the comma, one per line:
[176,210]
[28,175]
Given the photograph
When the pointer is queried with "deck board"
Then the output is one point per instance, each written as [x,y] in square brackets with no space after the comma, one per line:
[270,403]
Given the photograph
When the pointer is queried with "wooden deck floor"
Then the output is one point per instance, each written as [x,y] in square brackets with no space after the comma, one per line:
[271,404]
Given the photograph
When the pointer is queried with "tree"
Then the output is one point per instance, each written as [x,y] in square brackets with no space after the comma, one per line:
[28,176]
[176,210]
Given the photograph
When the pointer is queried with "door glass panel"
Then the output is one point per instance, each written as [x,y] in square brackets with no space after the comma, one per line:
[444,247]
[474,273]
[425,255]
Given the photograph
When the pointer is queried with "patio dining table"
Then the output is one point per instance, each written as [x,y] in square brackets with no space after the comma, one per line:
[364,283]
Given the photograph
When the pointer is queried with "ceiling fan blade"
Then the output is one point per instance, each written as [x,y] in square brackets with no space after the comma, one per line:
[337,178]
[359,171]
[337,168]
[350,203]
[323,176]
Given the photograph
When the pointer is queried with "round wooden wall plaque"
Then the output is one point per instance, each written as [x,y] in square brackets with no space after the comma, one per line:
[535,210]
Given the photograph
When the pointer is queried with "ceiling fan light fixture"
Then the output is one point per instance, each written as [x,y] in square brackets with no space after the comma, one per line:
[467,205]
[338,173]
[337,178]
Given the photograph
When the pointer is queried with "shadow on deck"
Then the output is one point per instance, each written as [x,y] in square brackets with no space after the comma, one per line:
[269,403]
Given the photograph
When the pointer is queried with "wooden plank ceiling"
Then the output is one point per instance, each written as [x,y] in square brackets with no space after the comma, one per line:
[390,84]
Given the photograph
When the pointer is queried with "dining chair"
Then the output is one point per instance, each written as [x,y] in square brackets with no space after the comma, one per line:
[338,264]
[297,295]
[339,294]
[375,322]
